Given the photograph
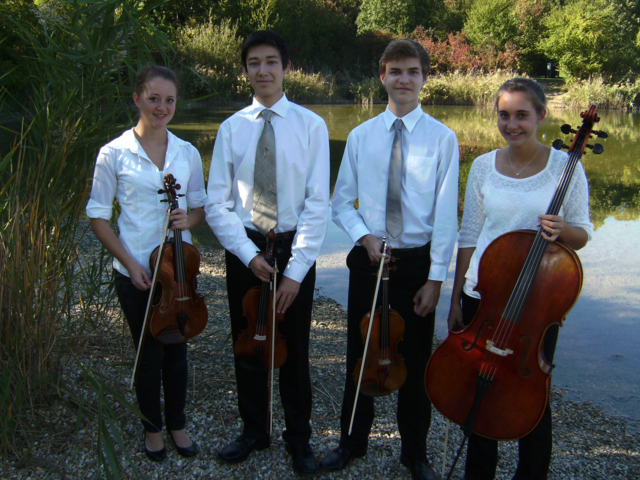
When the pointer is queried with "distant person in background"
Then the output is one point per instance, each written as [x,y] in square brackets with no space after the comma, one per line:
[270,171]
[510,189]
[131,169]
[402,167]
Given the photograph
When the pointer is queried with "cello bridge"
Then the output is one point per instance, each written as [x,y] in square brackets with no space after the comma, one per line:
[493,349]
[260,338]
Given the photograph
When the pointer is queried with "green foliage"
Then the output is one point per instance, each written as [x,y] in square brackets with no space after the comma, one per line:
[77,84]
[213,53]
[399,17]
[584,37]
[308,88]
[581,93]
[471,88]
[491,22]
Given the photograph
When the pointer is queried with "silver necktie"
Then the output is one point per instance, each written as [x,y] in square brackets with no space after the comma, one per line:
[265,197]
[394,189]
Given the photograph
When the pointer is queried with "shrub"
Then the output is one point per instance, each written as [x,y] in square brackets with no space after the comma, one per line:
[301,87]
[457,88]
[369,90]
[581,93]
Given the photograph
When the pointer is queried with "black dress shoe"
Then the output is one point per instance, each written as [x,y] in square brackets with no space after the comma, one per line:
[420,469]
[190,451]
[238,450]
[304,461]
[339,458]
[157,455]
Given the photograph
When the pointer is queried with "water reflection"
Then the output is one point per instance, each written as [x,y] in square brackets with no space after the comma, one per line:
[597,354]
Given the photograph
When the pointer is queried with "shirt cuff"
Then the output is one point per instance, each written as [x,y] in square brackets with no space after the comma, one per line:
[97,210]
[358,232]
[438,272]
[247,252]
[296,271]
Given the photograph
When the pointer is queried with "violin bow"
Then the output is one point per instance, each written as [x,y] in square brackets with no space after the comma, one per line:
[366,343]
[273,346]
[152,289]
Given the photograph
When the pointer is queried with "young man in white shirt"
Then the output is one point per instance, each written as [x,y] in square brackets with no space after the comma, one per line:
[302,191]
[418,216]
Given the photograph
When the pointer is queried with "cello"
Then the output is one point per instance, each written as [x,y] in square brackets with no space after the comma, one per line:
[492,377]
[261,346]
[175,311]
[381,370]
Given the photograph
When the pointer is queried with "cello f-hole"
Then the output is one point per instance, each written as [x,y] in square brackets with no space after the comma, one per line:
[465,345]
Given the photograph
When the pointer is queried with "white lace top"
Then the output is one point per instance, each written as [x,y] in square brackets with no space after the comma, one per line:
[495,204]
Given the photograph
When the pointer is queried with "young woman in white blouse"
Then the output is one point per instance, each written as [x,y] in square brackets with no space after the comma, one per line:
[510,189]
[131,169]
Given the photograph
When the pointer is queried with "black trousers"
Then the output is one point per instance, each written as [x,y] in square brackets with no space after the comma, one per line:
[414,408]
[534,449]
[159,363]
[294,378]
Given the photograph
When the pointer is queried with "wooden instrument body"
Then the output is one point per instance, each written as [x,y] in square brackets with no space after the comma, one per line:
[254,344]
[514,404]
[175,301]
[384,368]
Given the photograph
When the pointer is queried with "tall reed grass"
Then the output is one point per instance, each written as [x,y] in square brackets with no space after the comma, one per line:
[79,77]
[581,93]
[469,88]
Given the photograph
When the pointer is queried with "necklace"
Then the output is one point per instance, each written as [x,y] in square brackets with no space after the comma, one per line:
[514,168]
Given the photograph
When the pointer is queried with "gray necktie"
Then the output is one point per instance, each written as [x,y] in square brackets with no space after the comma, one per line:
[265,197]
[394,202]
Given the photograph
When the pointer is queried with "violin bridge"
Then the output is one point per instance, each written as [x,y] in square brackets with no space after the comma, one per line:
[183,299]
[384,361]
[260,338]
[493,349]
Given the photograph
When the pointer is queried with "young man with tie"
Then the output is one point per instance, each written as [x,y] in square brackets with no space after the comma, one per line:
[270,170]
[402,167]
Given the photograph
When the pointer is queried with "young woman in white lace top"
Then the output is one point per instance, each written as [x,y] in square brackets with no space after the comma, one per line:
[510,189]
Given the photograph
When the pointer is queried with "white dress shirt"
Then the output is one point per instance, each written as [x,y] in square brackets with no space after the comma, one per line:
[495,204]
[429,185]
[302,169]
[124,171]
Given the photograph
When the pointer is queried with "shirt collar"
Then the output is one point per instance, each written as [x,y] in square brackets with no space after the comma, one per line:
[129,141]
[409,120]
[281,107]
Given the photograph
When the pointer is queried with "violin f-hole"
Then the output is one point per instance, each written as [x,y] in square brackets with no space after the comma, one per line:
[465,345]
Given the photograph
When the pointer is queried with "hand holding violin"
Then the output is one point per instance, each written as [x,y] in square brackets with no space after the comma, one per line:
[372,245]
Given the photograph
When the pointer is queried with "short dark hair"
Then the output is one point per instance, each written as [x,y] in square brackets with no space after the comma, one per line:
[530,87]
[268,37]
[154,71]
[405,48]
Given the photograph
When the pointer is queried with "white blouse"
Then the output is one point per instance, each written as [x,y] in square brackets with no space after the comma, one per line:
[495,204]
[124,171]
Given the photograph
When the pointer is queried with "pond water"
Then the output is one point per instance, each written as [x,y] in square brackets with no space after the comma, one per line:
[598,352]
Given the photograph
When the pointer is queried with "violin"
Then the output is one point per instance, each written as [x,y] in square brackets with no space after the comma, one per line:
[256,345]
[261,346]
[381,370]
[492,377]
[175,311]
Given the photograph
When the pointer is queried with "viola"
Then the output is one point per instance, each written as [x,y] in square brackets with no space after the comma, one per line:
[175,311]
[381,370]
[492,377]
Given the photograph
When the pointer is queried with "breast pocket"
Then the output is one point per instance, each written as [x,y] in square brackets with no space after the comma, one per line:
[421,173]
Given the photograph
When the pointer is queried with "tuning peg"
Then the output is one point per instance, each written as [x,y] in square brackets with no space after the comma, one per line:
[566,129]
[559,144]
[597,148]
[164,201]
[160,192]
[177,187]
[600,133]
[180,195]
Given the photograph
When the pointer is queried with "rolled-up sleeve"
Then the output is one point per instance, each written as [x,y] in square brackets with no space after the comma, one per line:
[103,190]
[196,193]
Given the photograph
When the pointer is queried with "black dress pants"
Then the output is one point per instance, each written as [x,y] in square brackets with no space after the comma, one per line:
[158,363]
[414,408]
[534,449]
[294,378]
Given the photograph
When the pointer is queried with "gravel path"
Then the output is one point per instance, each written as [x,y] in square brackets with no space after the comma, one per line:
[587,443]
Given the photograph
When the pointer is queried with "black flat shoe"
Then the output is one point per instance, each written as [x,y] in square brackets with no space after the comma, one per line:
[156,456]
[339,458]
[420,469]
[190,451]
[238,450]
[304,461]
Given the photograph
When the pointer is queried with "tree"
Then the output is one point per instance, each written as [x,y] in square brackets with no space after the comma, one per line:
[397,16]
[490,22]
[586,38]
